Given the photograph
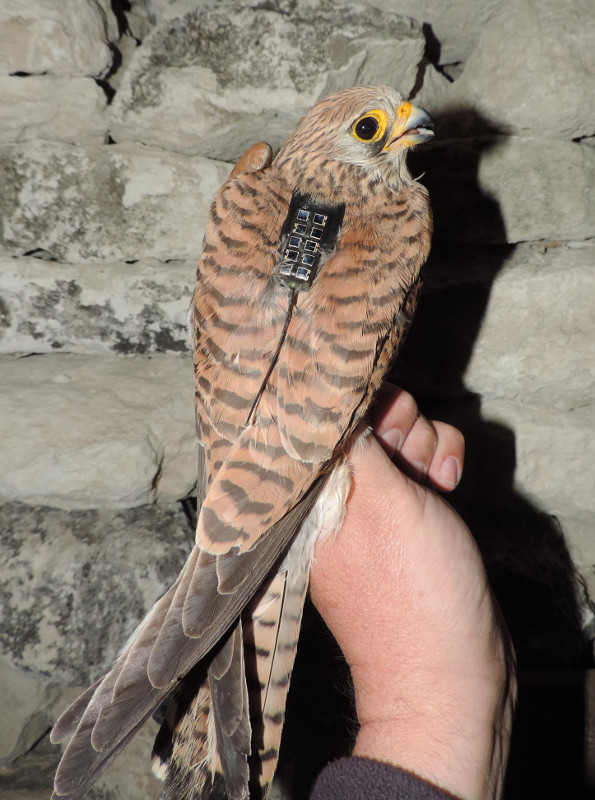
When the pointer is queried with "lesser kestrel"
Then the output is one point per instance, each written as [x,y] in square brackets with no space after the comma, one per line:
[307,282]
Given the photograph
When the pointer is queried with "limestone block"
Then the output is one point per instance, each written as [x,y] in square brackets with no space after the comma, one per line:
[30,777]
[127,45]
[543,188]
[75,584]
[47,107]
[66,38]
[537,338]
[515,323]
[509,189]
[105,203]
[586,578]
[139,20]
[27,704]
[533,69]
[514,327]
[218,79]
[88,432]
[454,25]
[555,452]
[93,308]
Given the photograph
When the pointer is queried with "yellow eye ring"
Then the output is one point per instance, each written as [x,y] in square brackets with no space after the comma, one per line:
[370,127]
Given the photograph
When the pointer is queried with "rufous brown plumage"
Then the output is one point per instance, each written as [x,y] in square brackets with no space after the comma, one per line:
[285,371]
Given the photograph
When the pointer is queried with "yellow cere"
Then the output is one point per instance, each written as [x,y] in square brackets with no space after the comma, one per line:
[404,110]
[402,117]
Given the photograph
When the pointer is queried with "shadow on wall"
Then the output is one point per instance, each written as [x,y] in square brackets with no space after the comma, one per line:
[529,566]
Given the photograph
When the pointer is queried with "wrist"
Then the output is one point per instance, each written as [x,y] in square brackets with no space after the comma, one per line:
[436,758]
[452,732]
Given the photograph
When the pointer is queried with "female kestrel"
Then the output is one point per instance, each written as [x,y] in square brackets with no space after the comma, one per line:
[307,282]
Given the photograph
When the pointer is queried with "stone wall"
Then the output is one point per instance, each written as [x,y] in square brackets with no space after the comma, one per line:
[117,124]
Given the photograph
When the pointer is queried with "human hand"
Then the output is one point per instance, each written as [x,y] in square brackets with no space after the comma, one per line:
[403,589]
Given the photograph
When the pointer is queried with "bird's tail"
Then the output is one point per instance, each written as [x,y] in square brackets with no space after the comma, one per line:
[182,756]
[271,642]
[211,591]
[222,732]
[202,748]
[103,719]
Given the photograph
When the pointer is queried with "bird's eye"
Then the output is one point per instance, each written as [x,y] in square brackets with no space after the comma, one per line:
[366,128]
[370,127]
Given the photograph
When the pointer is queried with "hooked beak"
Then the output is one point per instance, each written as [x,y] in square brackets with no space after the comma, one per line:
[413,126]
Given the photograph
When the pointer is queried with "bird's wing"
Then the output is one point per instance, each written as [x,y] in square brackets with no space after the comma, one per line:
[262,480]
[339,344]
[212,588]
[229,700]
[239,312]
[339,339]
[113,710]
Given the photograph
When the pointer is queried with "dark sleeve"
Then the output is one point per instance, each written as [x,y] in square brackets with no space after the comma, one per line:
[364,779]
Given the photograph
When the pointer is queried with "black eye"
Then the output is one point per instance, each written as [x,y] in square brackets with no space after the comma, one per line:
[366,128]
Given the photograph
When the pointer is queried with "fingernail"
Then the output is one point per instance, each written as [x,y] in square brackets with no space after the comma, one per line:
[392,439]
[450,474]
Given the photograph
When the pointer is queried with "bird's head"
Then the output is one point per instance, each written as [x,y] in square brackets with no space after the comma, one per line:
[359,133]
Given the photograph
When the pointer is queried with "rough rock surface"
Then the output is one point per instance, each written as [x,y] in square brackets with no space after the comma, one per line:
[105,203]
[544,291]
[47,306]
[495,189]
[27,720]
[75,584]
[66,38]
[453,27]
[87,432]
[533,70]
[182,92]
[54,108]
[514,326]
[558,483]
